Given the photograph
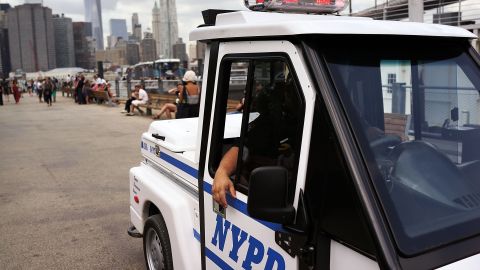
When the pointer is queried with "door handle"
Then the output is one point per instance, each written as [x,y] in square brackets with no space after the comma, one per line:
[220,210]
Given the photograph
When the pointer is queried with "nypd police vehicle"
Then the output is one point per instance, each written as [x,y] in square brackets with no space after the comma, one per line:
[359,147]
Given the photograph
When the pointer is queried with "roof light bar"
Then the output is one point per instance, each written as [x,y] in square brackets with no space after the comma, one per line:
[298,6]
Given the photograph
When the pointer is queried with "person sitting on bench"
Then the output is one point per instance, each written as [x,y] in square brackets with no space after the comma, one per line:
[139,97]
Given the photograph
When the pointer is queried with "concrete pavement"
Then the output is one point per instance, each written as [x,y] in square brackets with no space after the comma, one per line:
[64,192]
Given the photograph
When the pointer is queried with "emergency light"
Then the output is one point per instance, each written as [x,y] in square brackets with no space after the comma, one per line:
[298,6]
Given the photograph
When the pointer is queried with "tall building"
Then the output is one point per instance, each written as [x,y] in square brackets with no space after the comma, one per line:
[111,41]
[3,15]
[169,31]
[136,27]
[156,26]
[5,66]
[192,51]
[118,28]
[148,48]
[84,45]
[31,38]
[64,45]
[93,14]
[180,51]
[133,53]
[113,56]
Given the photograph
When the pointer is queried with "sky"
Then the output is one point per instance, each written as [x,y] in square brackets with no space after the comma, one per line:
[188,11]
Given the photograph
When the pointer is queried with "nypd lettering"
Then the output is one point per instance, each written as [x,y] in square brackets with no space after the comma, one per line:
[256,253]
[151,149]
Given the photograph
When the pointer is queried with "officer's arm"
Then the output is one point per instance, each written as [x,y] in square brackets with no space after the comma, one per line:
[222,182]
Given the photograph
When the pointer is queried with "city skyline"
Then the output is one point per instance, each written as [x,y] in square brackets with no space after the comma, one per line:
[189,12]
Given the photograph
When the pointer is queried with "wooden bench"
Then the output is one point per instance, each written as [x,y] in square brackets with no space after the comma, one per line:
[102,96]
[397,124]
[156,101]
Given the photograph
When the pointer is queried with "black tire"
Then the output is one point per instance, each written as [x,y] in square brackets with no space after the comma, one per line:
[156,244]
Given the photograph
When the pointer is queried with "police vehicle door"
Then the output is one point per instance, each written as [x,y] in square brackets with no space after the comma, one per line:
[263,106]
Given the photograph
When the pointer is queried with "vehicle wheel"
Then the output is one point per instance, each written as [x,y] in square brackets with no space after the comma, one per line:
[156,244]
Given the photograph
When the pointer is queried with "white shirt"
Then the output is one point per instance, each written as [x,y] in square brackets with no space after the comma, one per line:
[142,95]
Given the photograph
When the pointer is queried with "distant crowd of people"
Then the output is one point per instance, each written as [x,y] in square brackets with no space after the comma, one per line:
[82,90]
[45,89]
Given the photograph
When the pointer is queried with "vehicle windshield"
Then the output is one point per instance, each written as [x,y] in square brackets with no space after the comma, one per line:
[414,106]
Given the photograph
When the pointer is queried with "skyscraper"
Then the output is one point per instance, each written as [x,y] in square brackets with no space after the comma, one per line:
[165,27]
[156,26]
[118,28]
[5,66]
[148,50]
[93,14]
[136,27]
[64,45]
[133,53]
[84,45]
[31,38]
[180,51]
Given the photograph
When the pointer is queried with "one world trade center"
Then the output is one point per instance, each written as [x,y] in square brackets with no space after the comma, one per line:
[93,14]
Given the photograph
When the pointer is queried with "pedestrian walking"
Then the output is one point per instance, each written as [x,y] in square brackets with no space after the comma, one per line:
[1,94]
[79,90]
[29,87]
[39,90]
[54,90]
[47,91]
[16,91]
[6,89]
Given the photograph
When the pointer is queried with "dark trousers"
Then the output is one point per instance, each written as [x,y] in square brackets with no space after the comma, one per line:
[1,98]
[80,97]
[48,98]
[128,103]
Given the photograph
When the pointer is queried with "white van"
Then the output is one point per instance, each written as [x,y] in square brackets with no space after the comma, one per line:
[359,148]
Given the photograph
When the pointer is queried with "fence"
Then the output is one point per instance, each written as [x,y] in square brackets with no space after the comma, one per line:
[124,88]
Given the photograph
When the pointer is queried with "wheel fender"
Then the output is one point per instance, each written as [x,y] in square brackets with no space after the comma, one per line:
[177,208]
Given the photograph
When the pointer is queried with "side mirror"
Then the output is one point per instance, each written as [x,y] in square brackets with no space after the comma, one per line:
[268,195]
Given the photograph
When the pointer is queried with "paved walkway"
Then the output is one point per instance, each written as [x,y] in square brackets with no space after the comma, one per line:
[64,191]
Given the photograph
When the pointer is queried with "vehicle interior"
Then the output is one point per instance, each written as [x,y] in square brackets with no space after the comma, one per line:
[416,115]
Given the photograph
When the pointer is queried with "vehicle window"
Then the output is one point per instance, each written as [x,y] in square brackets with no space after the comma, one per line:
[262,116]
[273,133]
[230,101]
[416,113]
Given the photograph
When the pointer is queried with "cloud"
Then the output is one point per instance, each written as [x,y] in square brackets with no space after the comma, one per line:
[188,11]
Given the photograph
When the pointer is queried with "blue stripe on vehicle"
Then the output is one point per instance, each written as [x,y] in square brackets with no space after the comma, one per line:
[212,256]
[217,260]
[242,207]
[177,163]
[196,234]
[235,203]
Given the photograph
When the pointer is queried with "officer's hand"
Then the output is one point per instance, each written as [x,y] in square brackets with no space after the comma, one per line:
[222,184]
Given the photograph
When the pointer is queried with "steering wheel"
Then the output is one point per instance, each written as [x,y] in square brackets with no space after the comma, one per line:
[381,147]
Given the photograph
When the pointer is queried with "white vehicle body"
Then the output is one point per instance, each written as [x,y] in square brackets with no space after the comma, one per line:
[174,151]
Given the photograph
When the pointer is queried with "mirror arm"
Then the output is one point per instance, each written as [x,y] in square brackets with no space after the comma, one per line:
[302,219]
